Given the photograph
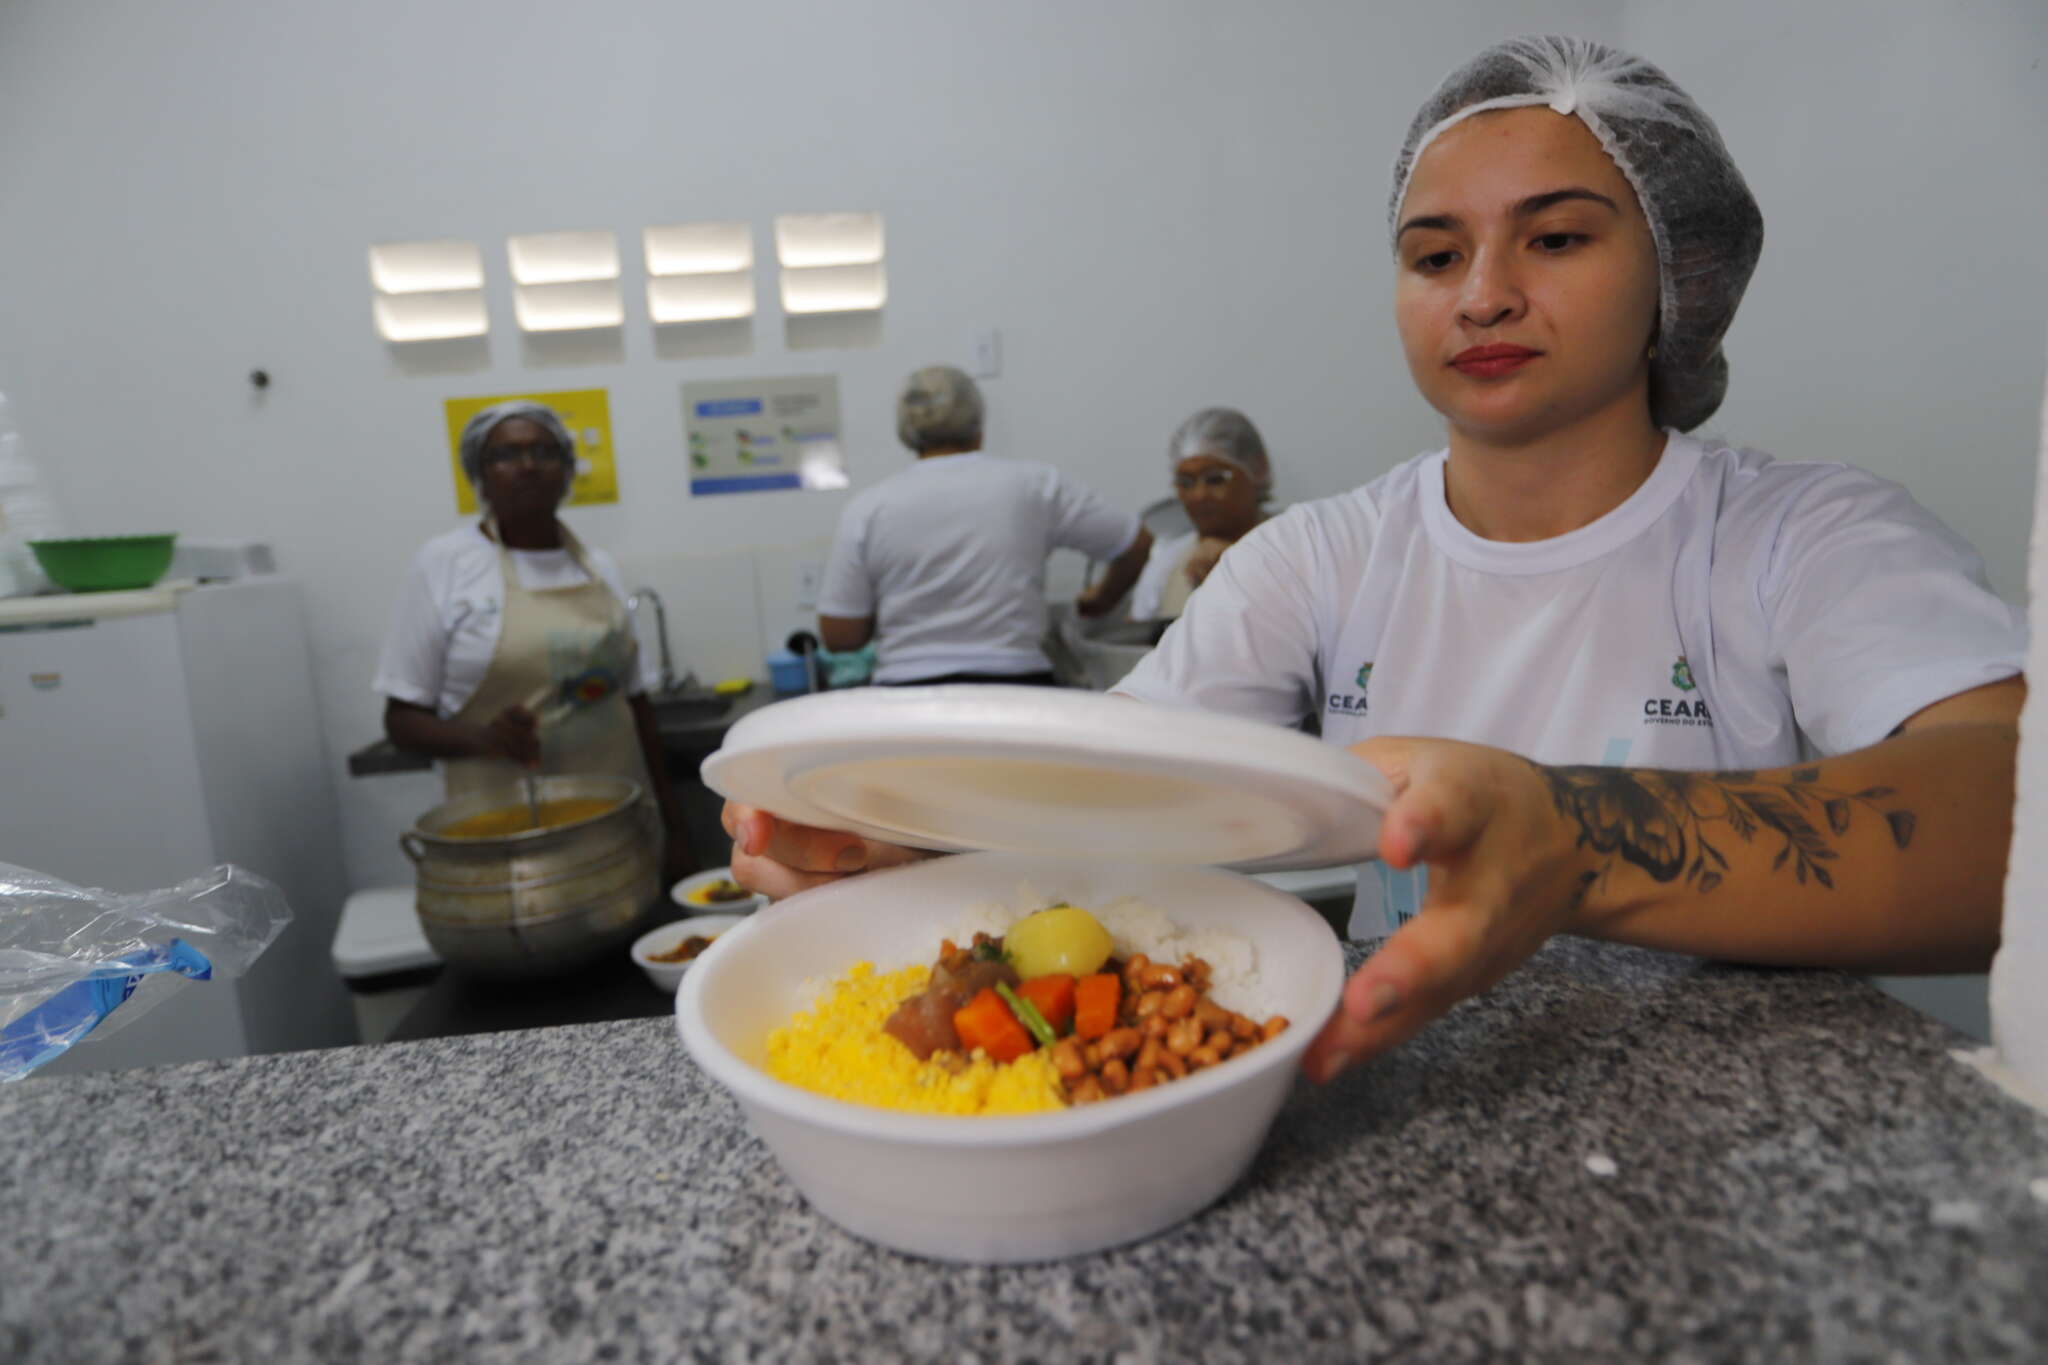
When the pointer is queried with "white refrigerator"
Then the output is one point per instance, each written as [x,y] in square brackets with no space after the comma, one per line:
[146,737]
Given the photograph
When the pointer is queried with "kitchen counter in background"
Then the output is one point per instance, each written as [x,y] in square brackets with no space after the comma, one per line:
[687,724]
[1798,1171]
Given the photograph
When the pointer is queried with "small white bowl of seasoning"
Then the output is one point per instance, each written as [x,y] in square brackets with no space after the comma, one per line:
[666,953]
[714,892]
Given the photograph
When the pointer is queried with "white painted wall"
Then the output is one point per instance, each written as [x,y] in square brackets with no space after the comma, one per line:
[1161,203]
[1895,320]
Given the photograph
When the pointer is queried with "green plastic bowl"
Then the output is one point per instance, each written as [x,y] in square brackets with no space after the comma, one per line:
[105,563]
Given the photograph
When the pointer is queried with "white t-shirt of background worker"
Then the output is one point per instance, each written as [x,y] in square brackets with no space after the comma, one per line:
[445,626]
[1735,612]
[1150,589]
[949,557]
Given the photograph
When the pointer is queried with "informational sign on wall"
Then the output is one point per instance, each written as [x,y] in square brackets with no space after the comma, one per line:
[756,435]
[588,415]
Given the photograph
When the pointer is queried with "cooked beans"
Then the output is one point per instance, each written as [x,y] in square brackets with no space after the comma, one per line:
[1120,1042]
[1157,976]
[1166,1027]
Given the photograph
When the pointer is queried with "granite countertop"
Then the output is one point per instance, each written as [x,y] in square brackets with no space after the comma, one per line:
[1799,1171]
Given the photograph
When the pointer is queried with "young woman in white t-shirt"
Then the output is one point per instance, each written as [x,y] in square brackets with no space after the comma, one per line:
[1825,698]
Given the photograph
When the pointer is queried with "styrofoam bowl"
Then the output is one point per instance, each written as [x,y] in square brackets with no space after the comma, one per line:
[1026,1188]
[666,976]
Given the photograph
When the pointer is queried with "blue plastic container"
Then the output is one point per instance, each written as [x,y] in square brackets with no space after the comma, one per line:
[787,673]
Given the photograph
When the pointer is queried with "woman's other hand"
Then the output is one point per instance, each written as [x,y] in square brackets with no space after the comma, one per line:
[1505,873]
[779,858]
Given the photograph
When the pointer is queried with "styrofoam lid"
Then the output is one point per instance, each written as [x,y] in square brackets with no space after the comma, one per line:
[1054,771]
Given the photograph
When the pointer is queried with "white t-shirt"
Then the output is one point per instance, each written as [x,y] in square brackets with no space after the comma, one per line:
[1159,566]
[1735,612]
[949,556]
[445,626]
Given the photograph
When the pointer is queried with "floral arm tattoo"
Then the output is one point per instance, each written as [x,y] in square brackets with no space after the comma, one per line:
[1661,820]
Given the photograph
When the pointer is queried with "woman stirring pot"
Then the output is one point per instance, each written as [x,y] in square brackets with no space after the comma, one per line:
[510,651]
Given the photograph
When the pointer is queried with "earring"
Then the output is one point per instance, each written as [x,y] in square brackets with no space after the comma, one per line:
[1653,351]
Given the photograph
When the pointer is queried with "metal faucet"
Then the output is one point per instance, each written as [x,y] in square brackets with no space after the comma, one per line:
[669,682]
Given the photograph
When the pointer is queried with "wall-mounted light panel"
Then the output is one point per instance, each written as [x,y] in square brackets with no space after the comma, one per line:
[699,248]
[575,306]
[428,291]
[834,289]
[563,257]
[439,316]
[565,281]
[701,298]
[831,262]
[700,272]
[806,240]
[424,267]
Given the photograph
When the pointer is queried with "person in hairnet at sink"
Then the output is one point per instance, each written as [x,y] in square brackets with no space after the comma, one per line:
[1625,682]
[1223,478]
[510,650]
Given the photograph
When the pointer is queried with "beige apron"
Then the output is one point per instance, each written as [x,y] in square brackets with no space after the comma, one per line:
[567,655]
[1173,596]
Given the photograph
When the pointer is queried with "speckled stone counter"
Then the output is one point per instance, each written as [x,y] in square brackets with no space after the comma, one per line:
[1798,1172]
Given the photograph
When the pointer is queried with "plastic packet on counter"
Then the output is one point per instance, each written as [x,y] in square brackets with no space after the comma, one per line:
[76,960]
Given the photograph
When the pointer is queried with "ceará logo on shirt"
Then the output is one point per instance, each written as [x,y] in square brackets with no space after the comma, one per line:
[1351,703]
[1684,709]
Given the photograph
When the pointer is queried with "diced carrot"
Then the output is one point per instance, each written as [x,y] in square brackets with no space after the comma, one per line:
[985,1022]
[1054,997]
[1095,1002]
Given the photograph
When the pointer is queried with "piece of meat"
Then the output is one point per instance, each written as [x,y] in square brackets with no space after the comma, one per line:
[924,1023]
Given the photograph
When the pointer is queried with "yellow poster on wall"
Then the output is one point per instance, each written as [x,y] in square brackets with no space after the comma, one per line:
[588,415]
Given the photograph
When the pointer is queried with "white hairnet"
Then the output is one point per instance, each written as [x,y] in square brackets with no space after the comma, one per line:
[1706,225]
[1226,434]
[939,407]
[479,428]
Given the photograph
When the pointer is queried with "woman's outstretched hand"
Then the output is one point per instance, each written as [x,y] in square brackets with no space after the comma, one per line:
[1505,873]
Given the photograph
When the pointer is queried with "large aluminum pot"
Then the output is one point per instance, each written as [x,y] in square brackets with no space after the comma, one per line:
[540,901]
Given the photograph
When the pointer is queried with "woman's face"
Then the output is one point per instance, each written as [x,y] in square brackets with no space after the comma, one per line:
[525,471]
[1220,498]
[1527,287]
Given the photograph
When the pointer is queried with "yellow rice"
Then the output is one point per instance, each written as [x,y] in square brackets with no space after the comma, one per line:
[837,1048]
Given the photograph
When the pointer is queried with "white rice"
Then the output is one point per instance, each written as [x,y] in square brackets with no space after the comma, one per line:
[1137,926]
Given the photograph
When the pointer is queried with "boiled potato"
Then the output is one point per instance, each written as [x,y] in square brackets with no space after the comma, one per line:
[1065,939]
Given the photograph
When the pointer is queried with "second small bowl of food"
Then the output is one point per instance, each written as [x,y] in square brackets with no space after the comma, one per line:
[668,952]
[1101,1127]
[714,891]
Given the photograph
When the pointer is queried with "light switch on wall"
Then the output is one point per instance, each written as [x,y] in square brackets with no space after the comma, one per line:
[810,577]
